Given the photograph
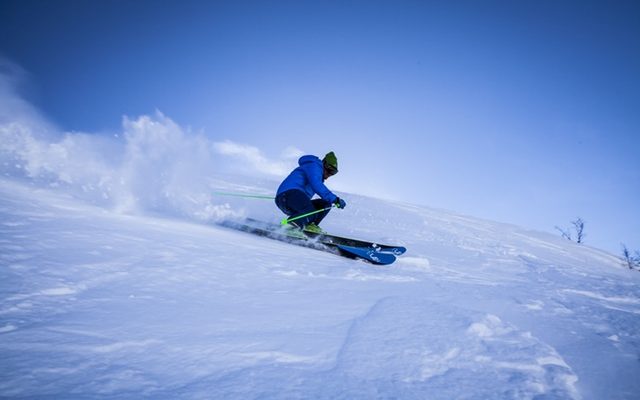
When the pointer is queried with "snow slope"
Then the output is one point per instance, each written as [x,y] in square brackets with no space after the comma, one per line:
[102,304]
[117,282]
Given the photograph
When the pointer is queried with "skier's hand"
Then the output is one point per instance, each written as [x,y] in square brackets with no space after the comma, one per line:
[340,203]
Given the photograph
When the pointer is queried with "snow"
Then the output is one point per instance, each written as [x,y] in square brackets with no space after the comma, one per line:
[116,281]
[97,303]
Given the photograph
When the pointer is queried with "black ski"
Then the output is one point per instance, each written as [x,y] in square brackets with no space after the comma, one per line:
[339,240]
[327,238]
[299,238]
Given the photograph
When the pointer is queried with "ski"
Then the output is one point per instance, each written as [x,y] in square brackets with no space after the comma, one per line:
[299,238]
[327,238]
[368,254]
[339,240]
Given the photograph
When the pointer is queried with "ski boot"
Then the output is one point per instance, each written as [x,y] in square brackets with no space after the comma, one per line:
[294,231]
[313,228]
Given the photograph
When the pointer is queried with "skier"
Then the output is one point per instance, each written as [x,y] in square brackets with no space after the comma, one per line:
[295,192]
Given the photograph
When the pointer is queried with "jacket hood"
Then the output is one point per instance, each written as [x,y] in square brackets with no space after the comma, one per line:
[308,159]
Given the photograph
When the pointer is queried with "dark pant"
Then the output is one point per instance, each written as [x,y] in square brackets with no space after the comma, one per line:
[295,202]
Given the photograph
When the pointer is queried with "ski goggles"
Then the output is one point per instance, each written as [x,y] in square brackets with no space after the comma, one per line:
[331,170]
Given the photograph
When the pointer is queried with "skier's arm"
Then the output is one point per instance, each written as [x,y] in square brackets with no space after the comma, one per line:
[315,179]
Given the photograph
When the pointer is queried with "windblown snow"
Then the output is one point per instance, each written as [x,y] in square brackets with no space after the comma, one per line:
[117,282]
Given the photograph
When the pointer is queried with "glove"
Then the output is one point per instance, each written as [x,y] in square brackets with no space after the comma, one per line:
[340,203]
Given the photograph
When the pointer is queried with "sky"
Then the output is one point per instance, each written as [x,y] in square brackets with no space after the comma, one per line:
[521,112]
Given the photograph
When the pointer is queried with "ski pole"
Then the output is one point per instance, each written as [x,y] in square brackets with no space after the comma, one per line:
[287,220]
[253,196]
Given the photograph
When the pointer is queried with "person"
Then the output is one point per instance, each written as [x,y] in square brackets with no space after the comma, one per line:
[294,196]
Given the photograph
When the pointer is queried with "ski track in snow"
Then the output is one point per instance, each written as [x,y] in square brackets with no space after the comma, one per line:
[98,304]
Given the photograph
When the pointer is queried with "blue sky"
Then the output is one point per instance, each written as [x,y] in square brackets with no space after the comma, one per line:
[516,111]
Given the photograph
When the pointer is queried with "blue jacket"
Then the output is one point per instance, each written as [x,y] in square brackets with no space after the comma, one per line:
[308,178]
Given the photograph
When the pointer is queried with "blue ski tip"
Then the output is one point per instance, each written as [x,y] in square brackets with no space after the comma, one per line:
[368,254]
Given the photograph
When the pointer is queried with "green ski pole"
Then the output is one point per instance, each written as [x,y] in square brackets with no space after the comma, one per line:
[287,220]
[253,196]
